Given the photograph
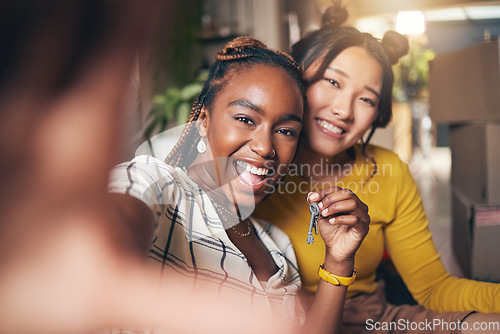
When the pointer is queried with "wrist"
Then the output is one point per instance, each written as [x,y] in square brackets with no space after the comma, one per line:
[333,279]
[339,267]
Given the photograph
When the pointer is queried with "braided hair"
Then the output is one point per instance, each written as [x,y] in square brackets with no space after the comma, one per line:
[331,39]
[239,54]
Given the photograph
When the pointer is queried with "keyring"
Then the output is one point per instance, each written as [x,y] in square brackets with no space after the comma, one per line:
[307,198]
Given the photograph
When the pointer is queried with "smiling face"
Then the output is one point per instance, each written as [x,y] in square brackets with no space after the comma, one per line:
[343,104]
[252,130]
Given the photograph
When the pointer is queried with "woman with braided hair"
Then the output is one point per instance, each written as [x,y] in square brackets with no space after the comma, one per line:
[349,93]
[240,138]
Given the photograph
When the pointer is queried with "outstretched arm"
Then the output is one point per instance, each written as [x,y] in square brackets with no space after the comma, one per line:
[343,223]
[66,265]
[134,221]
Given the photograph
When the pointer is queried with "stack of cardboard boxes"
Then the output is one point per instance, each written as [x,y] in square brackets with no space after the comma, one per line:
[465,93]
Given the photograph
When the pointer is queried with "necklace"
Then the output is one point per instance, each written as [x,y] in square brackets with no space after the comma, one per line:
[223,211]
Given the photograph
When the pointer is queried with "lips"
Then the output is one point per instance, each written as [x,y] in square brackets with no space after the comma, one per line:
[330,128]
[249,173]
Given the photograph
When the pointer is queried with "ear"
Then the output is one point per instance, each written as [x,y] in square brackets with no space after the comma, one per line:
[203,121]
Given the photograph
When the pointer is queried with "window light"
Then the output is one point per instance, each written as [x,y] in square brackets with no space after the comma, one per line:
[483,12]
[410,22]
[448,14]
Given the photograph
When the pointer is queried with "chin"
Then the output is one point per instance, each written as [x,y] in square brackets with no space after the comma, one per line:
[326,147]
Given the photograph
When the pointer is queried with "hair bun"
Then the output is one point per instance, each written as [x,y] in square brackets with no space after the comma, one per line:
[235,48]
[334,16]
[395,45]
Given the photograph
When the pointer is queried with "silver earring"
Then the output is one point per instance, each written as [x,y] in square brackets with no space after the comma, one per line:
[201,147]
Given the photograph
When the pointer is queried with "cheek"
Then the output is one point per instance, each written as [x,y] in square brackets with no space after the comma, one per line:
[310,129]
[290,151]
[315,98]
[363,122]
[286,152]
[221,139]
[366,119]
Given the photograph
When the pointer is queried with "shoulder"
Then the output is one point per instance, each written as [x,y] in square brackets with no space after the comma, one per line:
[145,163]
[389,172]
[381,154]
[147,178]
[147,168]
[392,171]
[385,160]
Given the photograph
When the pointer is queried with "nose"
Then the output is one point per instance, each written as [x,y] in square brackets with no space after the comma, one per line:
[262,143]
[342,107]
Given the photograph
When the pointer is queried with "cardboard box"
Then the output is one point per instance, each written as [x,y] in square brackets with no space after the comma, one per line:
[475,161]
[476,237]
[464,86]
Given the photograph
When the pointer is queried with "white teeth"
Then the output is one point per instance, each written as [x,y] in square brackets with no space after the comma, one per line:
[262,171]
[252,169]
[330,127]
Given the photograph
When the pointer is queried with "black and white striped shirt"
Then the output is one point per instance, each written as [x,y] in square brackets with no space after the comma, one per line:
[190,238]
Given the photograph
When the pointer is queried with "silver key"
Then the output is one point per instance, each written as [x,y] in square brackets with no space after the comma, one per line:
[314,209]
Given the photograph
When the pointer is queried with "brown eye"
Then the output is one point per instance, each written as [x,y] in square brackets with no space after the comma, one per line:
[367,100]
[244,120]
[287,132]
[333,82]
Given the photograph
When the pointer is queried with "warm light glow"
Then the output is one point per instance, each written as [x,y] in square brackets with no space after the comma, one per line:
[483,12]
[410,23]
[448,14]
[376,26]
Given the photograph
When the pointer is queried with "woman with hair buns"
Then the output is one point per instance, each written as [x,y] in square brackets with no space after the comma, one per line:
[349,94]
[240,138]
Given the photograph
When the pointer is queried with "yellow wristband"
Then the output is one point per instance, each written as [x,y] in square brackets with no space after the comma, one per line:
[334,279]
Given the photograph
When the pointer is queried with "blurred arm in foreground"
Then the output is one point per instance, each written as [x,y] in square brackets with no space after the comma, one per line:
[68,264]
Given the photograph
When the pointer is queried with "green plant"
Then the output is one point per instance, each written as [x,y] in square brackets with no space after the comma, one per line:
[174,105]
[411,74]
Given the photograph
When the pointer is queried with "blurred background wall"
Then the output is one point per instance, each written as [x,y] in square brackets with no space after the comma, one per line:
[205,25]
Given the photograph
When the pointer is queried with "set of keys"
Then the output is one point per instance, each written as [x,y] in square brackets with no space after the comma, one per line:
[314,209]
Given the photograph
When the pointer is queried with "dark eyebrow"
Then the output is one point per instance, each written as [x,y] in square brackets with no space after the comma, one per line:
[344,74]
[291,118]
[253,106]
[246,104]
[373,91]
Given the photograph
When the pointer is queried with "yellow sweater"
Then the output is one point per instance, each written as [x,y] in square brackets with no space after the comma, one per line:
[398,223]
